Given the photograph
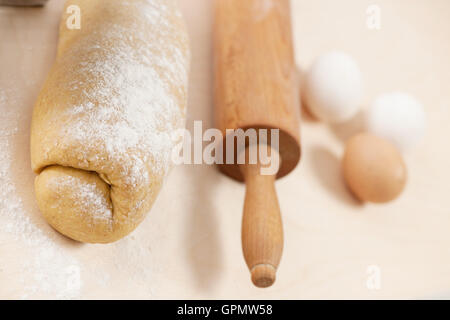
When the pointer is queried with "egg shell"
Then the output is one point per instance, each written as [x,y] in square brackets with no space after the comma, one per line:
[373,168]
[397,117]
[333,87]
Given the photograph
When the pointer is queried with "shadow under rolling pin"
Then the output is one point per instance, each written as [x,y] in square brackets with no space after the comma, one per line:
[256,87]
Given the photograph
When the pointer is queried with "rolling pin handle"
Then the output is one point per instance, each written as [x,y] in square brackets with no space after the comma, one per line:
[262,230]
[263,275]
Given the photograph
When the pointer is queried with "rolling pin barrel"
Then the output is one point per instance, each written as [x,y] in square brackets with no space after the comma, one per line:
[256,87]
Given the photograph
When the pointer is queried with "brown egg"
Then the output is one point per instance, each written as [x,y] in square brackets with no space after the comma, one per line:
[374,169]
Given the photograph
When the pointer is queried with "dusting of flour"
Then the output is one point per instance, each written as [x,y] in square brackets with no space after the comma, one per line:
[130,94]
[88,196]
[49,271]
[130,103]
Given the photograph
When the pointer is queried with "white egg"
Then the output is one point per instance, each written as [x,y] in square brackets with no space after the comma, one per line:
[334,88]
[397,117]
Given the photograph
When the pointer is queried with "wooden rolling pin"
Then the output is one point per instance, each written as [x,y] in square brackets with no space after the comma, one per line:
[256,87]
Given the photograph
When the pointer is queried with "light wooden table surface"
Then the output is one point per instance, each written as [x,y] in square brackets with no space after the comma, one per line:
[189,245]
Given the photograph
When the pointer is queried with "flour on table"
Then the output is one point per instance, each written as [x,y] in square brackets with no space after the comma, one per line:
[136,87]
[46,271]
[49,270]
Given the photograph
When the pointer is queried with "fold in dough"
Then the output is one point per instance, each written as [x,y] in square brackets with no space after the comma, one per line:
[102,128]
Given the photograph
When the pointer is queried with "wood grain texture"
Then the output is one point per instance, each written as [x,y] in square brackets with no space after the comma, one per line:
[262,229]
[256,83]
[256,87]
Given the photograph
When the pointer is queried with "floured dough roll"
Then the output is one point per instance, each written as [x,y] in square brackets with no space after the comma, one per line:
[102,129]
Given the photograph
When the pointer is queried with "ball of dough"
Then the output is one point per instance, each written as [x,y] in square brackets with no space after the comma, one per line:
[103,125]
[397,117]
[373,168]
[334,88]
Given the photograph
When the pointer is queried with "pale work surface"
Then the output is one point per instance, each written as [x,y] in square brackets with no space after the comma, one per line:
[189,245]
